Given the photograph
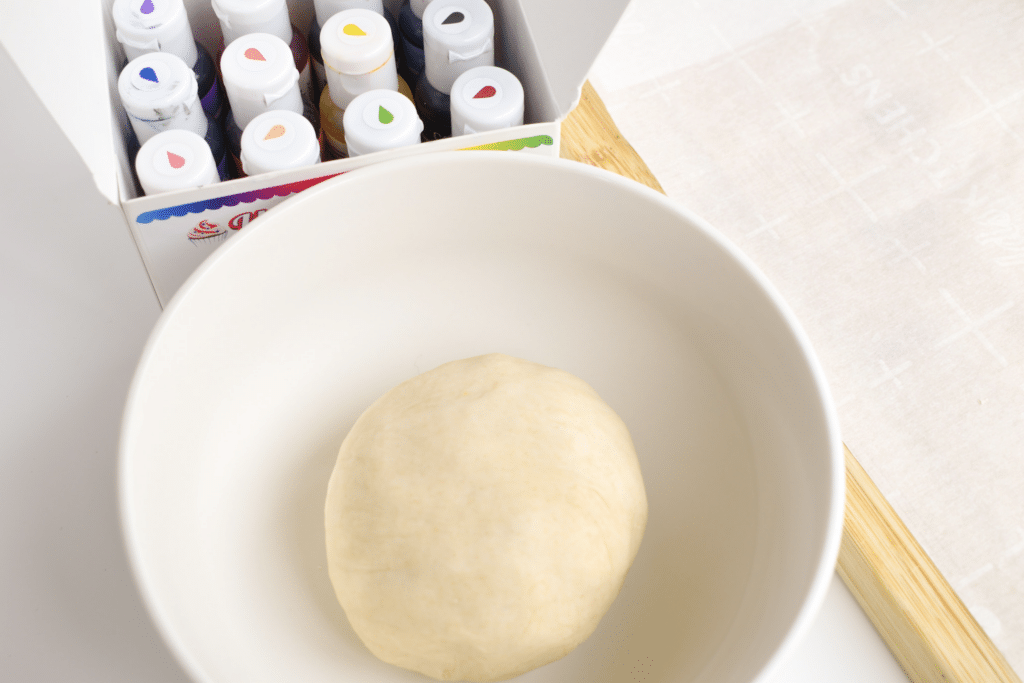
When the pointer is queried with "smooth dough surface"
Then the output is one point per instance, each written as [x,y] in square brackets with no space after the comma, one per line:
[481,518]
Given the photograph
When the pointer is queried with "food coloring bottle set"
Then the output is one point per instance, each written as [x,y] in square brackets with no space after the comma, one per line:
[344,93]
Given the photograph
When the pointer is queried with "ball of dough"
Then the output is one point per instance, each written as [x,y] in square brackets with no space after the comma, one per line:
[481,518]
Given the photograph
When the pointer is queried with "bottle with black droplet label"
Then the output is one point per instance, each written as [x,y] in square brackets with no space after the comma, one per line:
[175,160]
[144,26]
[359,55]
[259,76]
[242,17]
[159,92]
[457,36]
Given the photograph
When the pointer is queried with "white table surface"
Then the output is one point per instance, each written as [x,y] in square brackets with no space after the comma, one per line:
[76,308]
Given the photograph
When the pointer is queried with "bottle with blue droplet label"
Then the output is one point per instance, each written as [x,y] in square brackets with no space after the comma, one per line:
[458,35]
[159,92]
[144,26]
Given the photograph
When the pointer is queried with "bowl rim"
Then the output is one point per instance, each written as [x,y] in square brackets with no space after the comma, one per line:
[816,589]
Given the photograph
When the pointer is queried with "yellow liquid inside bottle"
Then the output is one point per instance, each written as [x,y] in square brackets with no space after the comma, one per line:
[332,124]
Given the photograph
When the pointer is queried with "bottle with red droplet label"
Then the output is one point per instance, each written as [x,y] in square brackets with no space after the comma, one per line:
[259,76]
[359,55]
[278,140]
[175,160]
[486,98]
[144,26]
[159,92]
[242,17]
[457,36]
[380,120]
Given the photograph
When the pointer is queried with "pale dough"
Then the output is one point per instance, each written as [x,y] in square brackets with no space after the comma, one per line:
[481,518]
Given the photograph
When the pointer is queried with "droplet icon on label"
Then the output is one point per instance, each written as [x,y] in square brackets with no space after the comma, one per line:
[275,132]
[385,116]
[454,18]
[353,30]
[174,160]
[148,74]
[485,92]
[255,55]
[147,7]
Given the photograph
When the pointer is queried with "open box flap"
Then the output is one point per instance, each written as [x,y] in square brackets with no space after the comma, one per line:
[568,36]
[58,45]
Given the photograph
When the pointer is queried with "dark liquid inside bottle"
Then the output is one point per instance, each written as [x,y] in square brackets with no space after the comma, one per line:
[434,108]
[211,92]
[410,44]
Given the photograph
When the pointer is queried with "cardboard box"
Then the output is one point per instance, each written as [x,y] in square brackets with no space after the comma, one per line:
[549,44]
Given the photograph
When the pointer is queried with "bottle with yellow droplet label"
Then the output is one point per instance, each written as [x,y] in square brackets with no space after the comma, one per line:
[359,56]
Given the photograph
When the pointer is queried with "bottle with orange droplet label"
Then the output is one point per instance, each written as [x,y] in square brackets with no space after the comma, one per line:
[278,140]
[241,17]
[379,120]
[175,160]
[259,76]
[359,56]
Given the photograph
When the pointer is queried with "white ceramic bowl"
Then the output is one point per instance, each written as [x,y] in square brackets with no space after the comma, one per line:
[267,355]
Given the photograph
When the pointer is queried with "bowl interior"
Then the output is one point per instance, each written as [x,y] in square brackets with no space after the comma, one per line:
[270,352]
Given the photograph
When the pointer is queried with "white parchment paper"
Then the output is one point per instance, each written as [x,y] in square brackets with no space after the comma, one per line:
[869,156]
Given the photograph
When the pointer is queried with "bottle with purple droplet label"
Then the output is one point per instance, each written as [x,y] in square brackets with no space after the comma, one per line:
[144,26]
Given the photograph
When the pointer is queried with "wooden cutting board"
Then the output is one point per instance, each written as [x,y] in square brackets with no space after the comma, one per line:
[927,627]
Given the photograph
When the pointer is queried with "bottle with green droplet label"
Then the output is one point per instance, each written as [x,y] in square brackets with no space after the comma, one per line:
[379,120]
[359,56]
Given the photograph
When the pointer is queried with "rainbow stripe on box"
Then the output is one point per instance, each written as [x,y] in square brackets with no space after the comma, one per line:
[231,200]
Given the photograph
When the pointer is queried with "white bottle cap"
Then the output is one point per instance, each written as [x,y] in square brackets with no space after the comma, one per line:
[380,120]
[154,26]
[278,140]
[175,160]
[457,35]
[239,17]
[486,98]
[418,6]
[325,9]
[359,54]
[259,75]
[159,92]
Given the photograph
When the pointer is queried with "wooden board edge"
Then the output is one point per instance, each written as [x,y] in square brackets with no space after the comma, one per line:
[918,614]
